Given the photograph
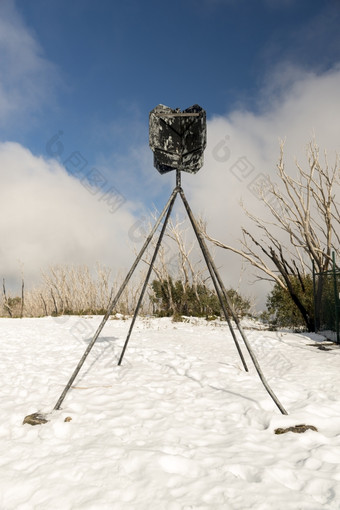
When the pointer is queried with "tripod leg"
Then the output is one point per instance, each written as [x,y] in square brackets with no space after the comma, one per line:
[207,259]
[212,266]
[159,241]
[115,301]
[218,289]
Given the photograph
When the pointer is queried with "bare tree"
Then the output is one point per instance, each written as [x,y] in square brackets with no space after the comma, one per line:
[6,303]
[303,226]
[177,261]
[22,297]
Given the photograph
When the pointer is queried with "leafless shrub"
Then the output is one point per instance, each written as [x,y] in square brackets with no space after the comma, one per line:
[69,289]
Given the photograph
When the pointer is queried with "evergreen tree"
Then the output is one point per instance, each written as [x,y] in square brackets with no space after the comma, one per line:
[173,298]
[282,311]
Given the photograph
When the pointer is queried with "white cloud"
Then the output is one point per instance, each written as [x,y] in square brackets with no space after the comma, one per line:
[26,77]
[244,145]
[49,217]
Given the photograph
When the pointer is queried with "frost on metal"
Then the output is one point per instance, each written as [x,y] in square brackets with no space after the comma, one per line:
[177,138]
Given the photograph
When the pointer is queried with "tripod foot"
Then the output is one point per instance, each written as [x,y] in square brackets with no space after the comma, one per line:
[35,419]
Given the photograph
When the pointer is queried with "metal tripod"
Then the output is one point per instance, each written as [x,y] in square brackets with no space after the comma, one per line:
[215,277]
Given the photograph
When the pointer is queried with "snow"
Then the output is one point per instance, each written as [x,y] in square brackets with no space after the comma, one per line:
[180,425]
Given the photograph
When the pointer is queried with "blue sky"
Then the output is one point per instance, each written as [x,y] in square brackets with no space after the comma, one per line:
[91,71]
[111,62]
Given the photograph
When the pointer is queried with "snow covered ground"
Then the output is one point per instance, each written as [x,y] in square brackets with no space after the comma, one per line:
[180,425]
